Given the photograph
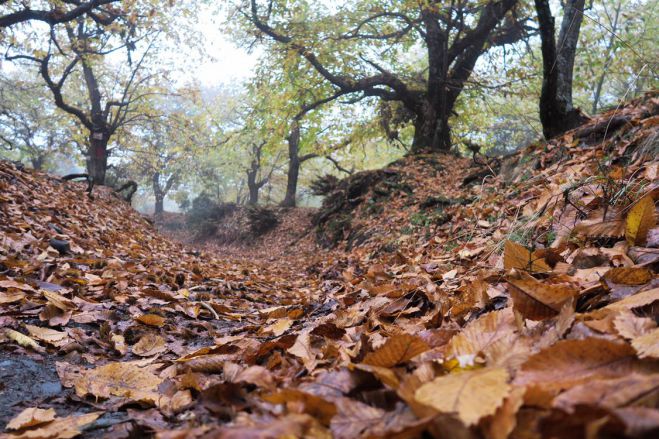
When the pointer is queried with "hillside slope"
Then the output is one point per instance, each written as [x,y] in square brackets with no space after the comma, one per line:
[521,304]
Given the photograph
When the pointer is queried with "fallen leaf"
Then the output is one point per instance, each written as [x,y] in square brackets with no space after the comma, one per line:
[150,344]
[538,300]
[23,340]
[119,379]
[647,345]
[640,220]
[609,393]
[469,395]
[151,320]
[519,257]
[398,349]
[572,362]
[59,428]
[31,417]
[50,336]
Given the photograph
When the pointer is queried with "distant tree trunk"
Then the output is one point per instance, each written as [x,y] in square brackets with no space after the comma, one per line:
[294,163]
[97,157]
[158,195]
[37,162]
[160,191]
[252,184]
[557,113]
[609,57]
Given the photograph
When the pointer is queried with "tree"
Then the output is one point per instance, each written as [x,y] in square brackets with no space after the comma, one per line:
[111,97]
[58,12]
[454,35]
[557,112]
[30,127]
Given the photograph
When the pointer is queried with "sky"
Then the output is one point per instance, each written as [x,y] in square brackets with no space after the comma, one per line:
[229,62]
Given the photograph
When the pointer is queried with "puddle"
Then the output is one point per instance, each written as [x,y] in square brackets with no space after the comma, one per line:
[24,380]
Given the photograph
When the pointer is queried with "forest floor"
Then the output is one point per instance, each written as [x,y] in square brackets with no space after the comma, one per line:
[514,299]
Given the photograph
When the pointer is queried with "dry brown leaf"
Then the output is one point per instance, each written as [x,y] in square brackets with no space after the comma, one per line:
[640,220]
[257,375]
[50,336]
[119,379]
[302,349]
[504,420]
[31,417]
[152,320]
[600,229]
[398,349]
[629,275]
[478,336]
[59,301]
[11,296]
[538,300]
[119,343]
[355,419]
[572,362]
[469,395]
[208,363]
[611,393]
[519,257]
[279,327]
[385,375]
[315,406]
[647,345]
[150,344]
[630,326]
[60,428]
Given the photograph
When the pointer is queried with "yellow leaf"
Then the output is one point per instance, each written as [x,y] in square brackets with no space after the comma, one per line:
[149,344]
[50,336]
[23,340]
[119,379]
[519,257]
[59,428]
[279,327]
[30,417]
[469,395]
[647,345]
[397,350]
[640,220]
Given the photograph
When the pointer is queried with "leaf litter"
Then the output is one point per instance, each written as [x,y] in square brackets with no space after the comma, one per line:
[524,304]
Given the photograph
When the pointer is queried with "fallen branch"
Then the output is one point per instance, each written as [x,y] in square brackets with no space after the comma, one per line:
[87,177]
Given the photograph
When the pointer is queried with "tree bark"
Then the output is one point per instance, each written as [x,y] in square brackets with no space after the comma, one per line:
[432,132]
[557,113]
[97,157]
[158,194]
[609,57]
[293,166]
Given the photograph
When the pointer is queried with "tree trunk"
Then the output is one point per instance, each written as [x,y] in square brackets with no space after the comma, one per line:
[97,157]
[37,162]
[609,57]
[158,194]
[557,113]
[253,195]
[293,166]
[252,185]
[431,133]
